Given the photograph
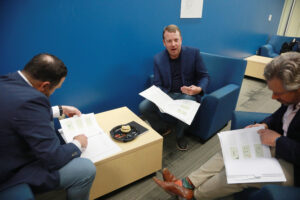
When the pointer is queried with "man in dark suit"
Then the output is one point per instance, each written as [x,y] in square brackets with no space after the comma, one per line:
[30,150]
[179,72]
[281,133]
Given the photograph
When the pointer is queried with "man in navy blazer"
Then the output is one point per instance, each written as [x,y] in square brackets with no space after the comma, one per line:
[179,72]
[30,150]
[281,133]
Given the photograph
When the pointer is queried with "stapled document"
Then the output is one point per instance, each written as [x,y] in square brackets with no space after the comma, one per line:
[246,159]
[183,109]
[100,145]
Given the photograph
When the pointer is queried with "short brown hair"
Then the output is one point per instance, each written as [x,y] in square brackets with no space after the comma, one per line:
[46,67]
[172,28]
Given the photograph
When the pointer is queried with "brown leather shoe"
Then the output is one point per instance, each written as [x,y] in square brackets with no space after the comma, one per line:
[168,176]
[172,188]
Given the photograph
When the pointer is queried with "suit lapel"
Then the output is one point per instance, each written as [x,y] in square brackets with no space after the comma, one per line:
[182,62]
[167,67]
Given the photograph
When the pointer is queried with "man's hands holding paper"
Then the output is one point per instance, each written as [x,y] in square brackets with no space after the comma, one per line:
[257,125]
[267,136]
[70,111]
[82,139]
[191,90]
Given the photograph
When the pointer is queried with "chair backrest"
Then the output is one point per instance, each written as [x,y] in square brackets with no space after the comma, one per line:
[277,40]
[223,70]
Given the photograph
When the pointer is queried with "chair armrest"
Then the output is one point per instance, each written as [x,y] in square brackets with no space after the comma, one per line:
[276,192]
[17,192]
[268,51]
[215,111]
[241,119]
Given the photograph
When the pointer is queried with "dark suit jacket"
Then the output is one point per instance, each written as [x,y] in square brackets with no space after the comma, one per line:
[193,71]
[287,148]
[30,151]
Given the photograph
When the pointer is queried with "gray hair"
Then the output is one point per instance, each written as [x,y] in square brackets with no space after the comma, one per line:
[285,67]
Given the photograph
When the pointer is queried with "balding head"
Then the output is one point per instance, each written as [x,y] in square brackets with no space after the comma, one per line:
[47,58]
[46,67]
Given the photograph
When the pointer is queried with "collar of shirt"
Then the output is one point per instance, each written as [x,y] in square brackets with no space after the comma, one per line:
[25,79]
[289,116]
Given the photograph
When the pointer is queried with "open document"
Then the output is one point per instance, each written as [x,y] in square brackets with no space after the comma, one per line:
[183,109]
[100,145]
[246,159]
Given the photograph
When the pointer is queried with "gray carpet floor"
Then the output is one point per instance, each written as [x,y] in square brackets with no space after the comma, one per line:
[254,96]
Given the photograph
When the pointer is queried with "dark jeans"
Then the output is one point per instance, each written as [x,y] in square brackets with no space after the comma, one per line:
[160,120]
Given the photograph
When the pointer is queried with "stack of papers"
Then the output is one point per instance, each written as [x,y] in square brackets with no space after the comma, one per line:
[183,109]
[246,159]
[100,145]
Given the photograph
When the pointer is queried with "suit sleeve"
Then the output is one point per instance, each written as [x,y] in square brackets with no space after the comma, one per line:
[33,123]
[201,72]
[286,148]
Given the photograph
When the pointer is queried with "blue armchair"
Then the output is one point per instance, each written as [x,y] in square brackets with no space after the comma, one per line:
[272,48]
[226,76]
[24,192]
[270,191]
[17,192]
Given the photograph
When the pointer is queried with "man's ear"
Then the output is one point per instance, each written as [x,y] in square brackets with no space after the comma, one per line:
[43,86]
[164,42]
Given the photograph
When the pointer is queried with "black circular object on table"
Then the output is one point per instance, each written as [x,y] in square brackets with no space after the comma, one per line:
[117,134]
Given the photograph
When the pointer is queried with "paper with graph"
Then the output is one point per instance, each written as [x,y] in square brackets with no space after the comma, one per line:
[246,159]
[100,145]
[183,109]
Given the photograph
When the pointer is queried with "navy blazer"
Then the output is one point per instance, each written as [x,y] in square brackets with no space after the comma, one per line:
[30,150]
[287,148]
[193,71]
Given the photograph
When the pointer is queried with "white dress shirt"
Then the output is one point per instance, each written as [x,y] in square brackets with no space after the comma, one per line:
[289,116]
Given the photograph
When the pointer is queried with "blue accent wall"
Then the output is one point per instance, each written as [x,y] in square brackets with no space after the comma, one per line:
[108,45]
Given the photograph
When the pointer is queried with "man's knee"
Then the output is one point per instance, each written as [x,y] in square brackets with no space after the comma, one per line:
[189,97]
[85,168]
[90,168]
[146,106]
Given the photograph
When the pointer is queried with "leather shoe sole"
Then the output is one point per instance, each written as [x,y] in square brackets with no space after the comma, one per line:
[167,132]
[182,145]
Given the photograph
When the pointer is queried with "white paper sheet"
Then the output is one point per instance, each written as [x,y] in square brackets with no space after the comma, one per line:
[183,109]
[246,159]
[191,8]
[100,145]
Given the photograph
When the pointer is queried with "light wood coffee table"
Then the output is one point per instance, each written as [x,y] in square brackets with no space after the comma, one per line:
[256,65]
[137,159]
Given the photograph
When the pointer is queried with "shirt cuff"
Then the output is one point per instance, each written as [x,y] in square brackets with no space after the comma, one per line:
[77,143]
[55,112]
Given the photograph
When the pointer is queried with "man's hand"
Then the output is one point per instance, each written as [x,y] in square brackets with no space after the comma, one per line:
[82,139]
[256,125]
[268,137]
[70,111]
[191,90]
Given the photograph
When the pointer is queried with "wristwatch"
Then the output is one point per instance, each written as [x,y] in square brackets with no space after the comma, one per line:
[61,112]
